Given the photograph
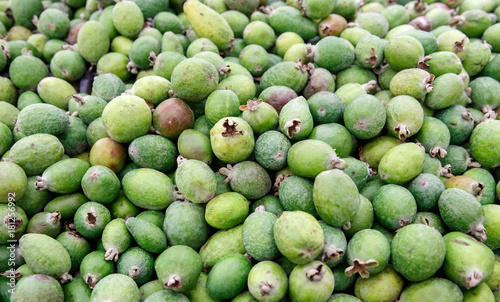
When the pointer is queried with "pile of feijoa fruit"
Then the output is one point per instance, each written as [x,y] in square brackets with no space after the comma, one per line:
[249,150]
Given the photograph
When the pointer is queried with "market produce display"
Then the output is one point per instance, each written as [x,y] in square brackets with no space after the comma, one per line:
[249,150]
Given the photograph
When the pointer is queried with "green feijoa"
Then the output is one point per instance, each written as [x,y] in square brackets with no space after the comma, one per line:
[243,86]
[374,22]
[271,150]
[23,12]
[123,124]
[432,288]
[369,51]
[220,104]
[259,33]
[232,139]
[394,206]
[427,252]
[195,180]
[153,89]
[121,207]
[267,281]
[269,203]
[358,171]
[33,200]
[426,189]
[226,210]
[106,20]
[77,290]
[137,264]
[107,152]
[93,41]
[454,41]
[367,253]
[365,116]
[467,262]
[45,255]
[312,281]
[459,123]
[115,63]
[335,206]
[467,184]
[491,225]
[172,116]
[384,286]
[166,62]
[228,277]
[431,219]
[254,58]
[434,136]
[480,293]
[14,182]
[261,116]
[26,71]
[247,178]
[179,268]
[40,285]
[74,138]
[155,217]
[63,177]
[88,107]
[374,150]
[396,15]
[401,163]
[298,236]
[116,286]
[199,45]
[194,86]
[458,159]
[167,21]
[166,295]
[107,86]
[149,237]
[343,297]
[76,245]
[220,245]
[45,223]
[319,80]
[295,119]
[66,204]
[55,91]
[478,57]
[68,65]
[150,288]
[128,19]
[362,220]
[142,49]
[333,61]
[296,194]
[15,222]
[193,144]
[491,69]
[51,47]
[185,224]
[413,82]
[258,237]
[402,52]
[28,98]
[36,152]
[482,149]
[447,89]
[483,176]
[154,152]
[289,19]
[462,212]
[287,74]
[158,185]
[91,218]
[115,239]
[121,45]
[494,280]
[285,41]
[53,23]
[356,74]
[308,163]
[237,21]
[442,62]
[335,245]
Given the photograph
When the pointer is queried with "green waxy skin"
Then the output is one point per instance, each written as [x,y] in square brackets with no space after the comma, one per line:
[150,288]
[370,51]
[467,261]
[54,23]
[342,298]
[158,185]
[74,139]
[427,252]
[482,148]
[333,62]
[137,264]
[232,140]
[179,268]
[243,86]
[63,177]
[45,223]
[480,293]
[228,277]
[358,171]
[247,178]
[167,21]
[320,80]
[42,286]
[459,122]
[298,236]
[447,89]
[24,79]
[194,79]
[77,290]
[87,107]
[362,220]
[93,41]
[13,182]
[220,104]
[374,150]
[384,286]
[42,118]
[258,235]
[412,82]
[462,212]
[259,33]
[226,210]
[9,114]
[33,200]
[434,136]
[20,222]
[142,49]
[100,184]
[443,62]
[268,281]
[124,124]
[365,116]
[115,63]
[55,91]
[426,189]
[394,206]
[405,116]
[289,19]
[200,45]
[150,237]
[76,245]
[289,74]
[262,117]
[94,267]
[432,289]
[96,131]
[335,206]
[115,239]
[271,149]
[45,255]
[107,86]
[478,57]
[91,219]
[255,58]
[36,152]
[200,293]
[66,204]
[195,181]
[154,152]
[153,89]
[116,286]
[296,194]
[454,41]
[311,282]
[467,184]
[367,253]
[270,203]
[165,295]
[484,177]
[335,245]
[155,217]
[193,144]
[491,225]
[403,52]
[295,119]
[401,163]
[207,23]
[128,19]
[23,12]
[185,224]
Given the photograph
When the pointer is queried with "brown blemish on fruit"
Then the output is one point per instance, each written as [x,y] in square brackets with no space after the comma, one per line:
[459,45]
[292,127]
[230,129]
[91,216]
[372,59]
[461,242]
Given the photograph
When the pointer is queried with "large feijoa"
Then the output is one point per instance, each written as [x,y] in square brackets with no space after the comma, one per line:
[194,79]
[232,139]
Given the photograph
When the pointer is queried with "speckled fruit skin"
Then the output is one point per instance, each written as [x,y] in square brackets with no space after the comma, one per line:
[42,286]
[93,41]
[194,79]
[271,274]
[226,210]
[159,187]
[483,146]
[402,163]
[258,235]
[116,286]
[384,286]
[432,289]
[179,261]
[220,245]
